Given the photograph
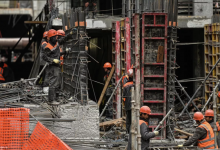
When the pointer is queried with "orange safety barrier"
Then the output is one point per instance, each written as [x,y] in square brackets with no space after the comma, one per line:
[14,127]
[44,139]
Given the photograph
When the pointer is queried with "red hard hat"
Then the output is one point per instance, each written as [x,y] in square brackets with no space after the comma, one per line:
[60,32]
[145,109]
[209,113]
[51,33]
[107,65]
[219,94]
[198,116]
[130,72]
[45,34]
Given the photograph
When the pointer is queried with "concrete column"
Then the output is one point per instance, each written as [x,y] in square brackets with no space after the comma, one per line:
[198,59]
[203,8]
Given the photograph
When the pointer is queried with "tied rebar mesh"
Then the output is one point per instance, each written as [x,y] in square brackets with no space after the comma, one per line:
[44,139]
[14,127]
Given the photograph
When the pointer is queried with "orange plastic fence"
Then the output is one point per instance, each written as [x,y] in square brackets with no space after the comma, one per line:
[44,139]
[14,128]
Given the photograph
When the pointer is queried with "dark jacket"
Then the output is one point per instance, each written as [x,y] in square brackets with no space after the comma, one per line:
[127,94]
[8,74]
[50,53]
[218,129]
[199,134]
[145,136]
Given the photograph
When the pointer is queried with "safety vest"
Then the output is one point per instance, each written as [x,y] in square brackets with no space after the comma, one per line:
[208,142]
[128,83]
[218,127]
[51,47]
[1,72]
[126,76]
[142,121]
[44,43]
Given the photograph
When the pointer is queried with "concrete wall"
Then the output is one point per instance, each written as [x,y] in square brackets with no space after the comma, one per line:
[203,8]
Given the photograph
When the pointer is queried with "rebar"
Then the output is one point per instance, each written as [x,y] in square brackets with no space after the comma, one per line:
[198,89]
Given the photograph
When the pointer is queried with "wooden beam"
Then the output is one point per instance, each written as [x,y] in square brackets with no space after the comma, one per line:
[111,122]
[183,132]
[35,22]
[106,85]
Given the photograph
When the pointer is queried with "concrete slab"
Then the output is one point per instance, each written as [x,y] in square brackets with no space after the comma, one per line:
[193,21]
[16,11]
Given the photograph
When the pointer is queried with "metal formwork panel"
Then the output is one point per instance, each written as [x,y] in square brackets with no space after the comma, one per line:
[154,73]
[116,60]
[128,44]
[211,56]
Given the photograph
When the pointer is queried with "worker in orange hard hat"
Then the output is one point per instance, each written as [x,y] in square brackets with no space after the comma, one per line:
[203,136]
[51,54]
[127,77]
[127,97]
[146,135]
[109,111]
[60,34]
[219,90]
[43,45]
[209,117]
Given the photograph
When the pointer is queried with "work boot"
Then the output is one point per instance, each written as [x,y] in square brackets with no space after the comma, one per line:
[52,96]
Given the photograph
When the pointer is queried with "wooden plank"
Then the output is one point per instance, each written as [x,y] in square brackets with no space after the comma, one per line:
[106,85]
[111,122]
[183,132]
[35,22]
[160,54]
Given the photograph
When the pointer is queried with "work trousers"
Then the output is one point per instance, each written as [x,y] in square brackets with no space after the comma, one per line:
[54,82]
[109,109]
[128,120]
[46,77]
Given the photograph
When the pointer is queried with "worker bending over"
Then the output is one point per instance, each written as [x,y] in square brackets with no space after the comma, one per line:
[144,130]
[127,98]
[6,73]
[209,117]
[109,110]
[203,136]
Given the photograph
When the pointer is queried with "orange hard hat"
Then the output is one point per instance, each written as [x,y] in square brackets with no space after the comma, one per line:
[209,113]
[60,32]
[45,34]
[145,109]
[198,116]
[219,94]
[51,33]
[130,72]
[107,65]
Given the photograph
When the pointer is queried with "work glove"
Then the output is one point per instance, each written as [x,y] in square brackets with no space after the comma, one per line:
[156,132]
[180,145]
[56,61]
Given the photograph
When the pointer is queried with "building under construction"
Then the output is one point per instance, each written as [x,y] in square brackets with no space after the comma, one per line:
[171,45]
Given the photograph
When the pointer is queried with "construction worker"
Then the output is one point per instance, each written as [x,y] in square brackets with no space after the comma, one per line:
[43,45]
[60,34]
[109,110]
[203,136]
[127,98]
[145,134]
[51,54]
[6,73]
[128,77]
[94,7]
[209,117]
